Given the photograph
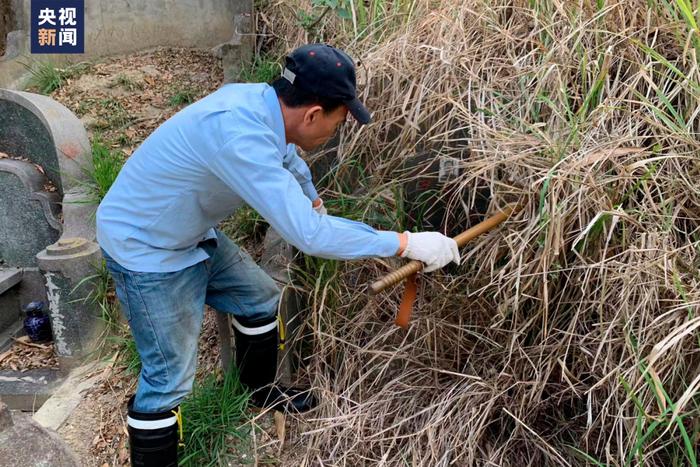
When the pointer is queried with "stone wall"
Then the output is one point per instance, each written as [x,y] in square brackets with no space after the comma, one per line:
[122,26]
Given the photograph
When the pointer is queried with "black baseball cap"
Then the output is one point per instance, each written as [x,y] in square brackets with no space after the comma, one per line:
[325,71]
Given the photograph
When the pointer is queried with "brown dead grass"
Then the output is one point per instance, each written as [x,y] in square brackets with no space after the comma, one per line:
[573,329]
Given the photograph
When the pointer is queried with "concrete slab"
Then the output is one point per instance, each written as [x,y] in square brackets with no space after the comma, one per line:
[28,390]
[67,396]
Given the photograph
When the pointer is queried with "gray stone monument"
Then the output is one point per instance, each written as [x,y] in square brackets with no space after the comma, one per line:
[30,213]
[47,221]
[432,201]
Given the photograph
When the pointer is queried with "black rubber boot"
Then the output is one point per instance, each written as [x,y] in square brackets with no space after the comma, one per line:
[256,359]
[153,437]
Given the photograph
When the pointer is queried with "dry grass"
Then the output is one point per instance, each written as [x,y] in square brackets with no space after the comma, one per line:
[570,337]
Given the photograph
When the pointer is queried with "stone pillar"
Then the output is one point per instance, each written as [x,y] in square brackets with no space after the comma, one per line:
[75,319]
[226,344]
[276,259]
[239,51]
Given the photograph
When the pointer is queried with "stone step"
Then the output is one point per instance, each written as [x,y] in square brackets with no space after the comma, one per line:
[10,311]
[9,277]
[69,394]
[28,390]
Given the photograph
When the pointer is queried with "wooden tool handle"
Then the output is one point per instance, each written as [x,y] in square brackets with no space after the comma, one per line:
[461,239]
[409,297]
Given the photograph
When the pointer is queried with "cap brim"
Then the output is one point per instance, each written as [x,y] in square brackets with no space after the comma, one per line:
[358,111]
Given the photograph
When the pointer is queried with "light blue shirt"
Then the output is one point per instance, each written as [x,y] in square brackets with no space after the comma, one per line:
[205,162]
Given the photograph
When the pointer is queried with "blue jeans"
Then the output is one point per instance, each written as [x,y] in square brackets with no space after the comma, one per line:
[165,312]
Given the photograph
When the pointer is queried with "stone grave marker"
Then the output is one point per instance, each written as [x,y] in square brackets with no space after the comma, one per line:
[47,231]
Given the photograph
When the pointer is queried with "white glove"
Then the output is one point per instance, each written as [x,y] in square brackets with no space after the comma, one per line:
[321,209]
[432,248]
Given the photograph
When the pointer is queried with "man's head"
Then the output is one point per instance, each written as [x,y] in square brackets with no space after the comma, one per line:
[317,90]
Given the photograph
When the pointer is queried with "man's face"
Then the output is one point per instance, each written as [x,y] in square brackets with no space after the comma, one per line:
[318,126]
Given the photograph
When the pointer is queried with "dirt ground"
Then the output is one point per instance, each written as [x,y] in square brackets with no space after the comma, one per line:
[124,99]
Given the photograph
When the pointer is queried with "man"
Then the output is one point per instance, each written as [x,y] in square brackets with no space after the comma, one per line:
[156,226]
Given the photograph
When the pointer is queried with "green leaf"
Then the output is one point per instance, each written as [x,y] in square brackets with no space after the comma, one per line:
[343,13]
[687,12]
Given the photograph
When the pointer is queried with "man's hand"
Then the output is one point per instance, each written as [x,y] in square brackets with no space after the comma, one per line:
[432,248]
[319,207]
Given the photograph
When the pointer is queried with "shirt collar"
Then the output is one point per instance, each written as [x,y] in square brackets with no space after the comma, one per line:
[273,106]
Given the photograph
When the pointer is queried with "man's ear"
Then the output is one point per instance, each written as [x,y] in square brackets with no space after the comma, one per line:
[312,114]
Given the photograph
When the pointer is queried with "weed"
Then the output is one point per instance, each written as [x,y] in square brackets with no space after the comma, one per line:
[46,77]
[684,449]
[244,225]
[263,70]
[106,166]
[183,96]
[100,293]
[214,415]
[310,21]
[124,140]
[128,83]
[116,115]
[377,17]
[84,106]
[128,355]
